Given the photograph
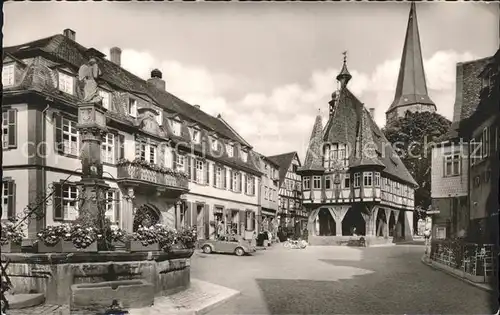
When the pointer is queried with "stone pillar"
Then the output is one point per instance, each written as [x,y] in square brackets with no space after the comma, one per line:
[312,222]
[370,218]
[408,215]
[128,211]
[338,213]
[92,128]
[387,219]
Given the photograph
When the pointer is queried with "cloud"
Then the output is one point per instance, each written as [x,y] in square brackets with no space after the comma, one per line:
[281,120]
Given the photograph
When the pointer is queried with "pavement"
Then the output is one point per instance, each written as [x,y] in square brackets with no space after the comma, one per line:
[339,280]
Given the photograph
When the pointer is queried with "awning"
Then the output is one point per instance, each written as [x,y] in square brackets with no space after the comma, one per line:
[268,212]
[218,210]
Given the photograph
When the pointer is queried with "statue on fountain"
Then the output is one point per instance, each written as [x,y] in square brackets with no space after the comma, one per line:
[88,73]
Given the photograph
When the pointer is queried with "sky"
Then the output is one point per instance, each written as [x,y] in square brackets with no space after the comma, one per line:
[270,68]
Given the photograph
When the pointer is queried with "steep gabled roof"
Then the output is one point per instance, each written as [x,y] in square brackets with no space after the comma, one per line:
[59,49]
[313,160]
[411,87]
[283,160]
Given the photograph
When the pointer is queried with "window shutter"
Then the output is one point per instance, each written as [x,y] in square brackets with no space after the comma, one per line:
[206,221]
[246,220]
[118,207]
[174,160]
[245,185]
[57,207]
[224,177]
[253,186]
[12,133]
[194,170]
[58,133]
[121,145]
[253,220]
[11,211]
[240,180]
[160,159]
[243,220]
[117,147]
[189,168]
[231,180]
[215,175]
[207,168]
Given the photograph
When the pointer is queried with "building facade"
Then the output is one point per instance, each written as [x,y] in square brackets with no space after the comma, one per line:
[269,188]
[481,130]
[353,181]
[411,89]
[165,160]
[450,157]
[291,214]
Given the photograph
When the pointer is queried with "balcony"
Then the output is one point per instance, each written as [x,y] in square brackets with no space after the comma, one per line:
[135,173]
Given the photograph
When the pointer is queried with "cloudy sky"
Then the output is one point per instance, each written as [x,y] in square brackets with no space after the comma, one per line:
[268,68]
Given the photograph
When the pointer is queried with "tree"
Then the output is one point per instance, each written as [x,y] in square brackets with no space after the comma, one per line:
[412,137]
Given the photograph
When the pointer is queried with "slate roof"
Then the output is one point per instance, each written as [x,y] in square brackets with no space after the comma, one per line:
[467,94]
[59,50]
[283,161]
[313,160]
[411,87]
[352,124]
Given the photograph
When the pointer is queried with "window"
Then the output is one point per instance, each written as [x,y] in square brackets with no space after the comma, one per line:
[105,98]
[452,165]
[176,127]
[179,162]
[199,171]
[9,129]
[215,144]
[230,150]
[132,107]
[250,185]
[195,135]
[307,182]
[70,202]
[377,179]
[485,148]
[235,181]
[218,177]
[336,155]
[70,137]
[367,179]
[266,192]
[356,180]
[316,182]
[159,117]
[66,83]
[328,182]
[347,181]
[8,200]
[244,156]
[147,152]
[112,206]
[8,75]
[108,149]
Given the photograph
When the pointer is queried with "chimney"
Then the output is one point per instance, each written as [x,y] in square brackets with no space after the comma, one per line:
[156,79]
[372,112]
[197,106]
[116,55]
[69,33]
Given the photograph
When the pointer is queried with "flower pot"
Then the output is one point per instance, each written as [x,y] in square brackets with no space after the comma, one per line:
[44,248]
[119,245]
[69,247]
[137,246]
[11,247]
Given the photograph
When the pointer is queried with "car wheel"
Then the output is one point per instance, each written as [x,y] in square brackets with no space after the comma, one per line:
[239,251]
[207,249]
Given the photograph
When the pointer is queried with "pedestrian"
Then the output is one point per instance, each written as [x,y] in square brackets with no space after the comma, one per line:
[220,229]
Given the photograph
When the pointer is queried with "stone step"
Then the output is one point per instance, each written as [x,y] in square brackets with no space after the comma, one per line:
[18,301]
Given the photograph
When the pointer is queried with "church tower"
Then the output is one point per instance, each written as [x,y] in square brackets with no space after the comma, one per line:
[411,90]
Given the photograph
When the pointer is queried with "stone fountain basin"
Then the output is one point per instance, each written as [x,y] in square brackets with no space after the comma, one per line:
[98,296]
[54,274]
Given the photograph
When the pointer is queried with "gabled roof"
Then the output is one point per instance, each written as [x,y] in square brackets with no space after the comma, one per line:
[59,49]
[313,160]
[411,87]
[283,161]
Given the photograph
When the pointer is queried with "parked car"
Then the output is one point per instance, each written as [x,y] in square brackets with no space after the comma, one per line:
[228,244]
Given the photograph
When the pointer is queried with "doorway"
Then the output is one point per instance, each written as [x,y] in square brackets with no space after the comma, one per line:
[353,222]
[327,226]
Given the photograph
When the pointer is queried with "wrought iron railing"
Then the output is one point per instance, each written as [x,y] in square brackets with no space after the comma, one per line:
[143,173]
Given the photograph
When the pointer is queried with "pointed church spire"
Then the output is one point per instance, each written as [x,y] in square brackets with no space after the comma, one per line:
[344,76]
[411,88]
[314,155]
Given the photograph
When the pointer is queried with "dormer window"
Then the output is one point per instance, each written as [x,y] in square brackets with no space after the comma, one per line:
[132,107]
[176,127]
[244,156]
[105,98]
[215,144]
[195,135]
[159,116]
[66,83]
[230,150]
[8,75]
[336,155]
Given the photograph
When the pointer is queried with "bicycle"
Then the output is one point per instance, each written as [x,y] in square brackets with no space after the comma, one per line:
[295,244]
